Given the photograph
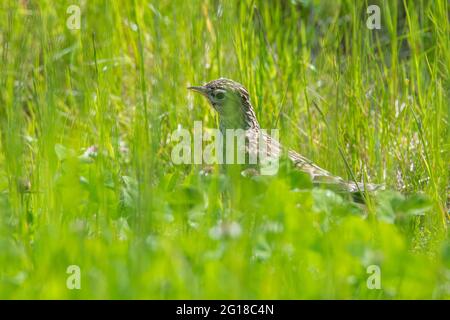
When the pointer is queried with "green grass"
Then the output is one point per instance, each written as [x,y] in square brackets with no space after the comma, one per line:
[139,226]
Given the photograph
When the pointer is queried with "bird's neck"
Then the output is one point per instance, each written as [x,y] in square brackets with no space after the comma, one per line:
[242,118]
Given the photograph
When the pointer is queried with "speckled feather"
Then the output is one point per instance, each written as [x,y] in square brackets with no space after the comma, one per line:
[236,112]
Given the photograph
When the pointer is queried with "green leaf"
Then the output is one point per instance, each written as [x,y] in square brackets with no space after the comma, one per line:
[62,152]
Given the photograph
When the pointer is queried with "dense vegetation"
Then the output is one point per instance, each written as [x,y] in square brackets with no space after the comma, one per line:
[86,176]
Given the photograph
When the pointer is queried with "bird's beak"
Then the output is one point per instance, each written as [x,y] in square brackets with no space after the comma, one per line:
[200,89]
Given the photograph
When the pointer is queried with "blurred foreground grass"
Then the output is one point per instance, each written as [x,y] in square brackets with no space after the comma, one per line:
[86,176]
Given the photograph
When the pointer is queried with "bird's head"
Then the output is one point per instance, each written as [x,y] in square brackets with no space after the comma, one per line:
[231,100]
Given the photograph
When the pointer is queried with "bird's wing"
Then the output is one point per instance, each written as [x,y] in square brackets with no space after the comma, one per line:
[322,176]
[274,149]
[318,175]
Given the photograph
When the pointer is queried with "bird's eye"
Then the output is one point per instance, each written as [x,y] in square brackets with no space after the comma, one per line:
[220,95]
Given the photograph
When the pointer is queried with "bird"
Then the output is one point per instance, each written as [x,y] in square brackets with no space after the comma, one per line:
[231,101]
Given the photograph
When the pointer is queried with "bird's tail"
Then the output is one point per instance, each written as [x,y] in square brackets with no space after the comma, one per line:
[364,187]
[359,190]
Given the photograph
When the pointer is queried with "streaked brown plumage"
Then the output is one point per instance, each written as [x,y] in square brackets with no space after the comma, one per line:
[232,102]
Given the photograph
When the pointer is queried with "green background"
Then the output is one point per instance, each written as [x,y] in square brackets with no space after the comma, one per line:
[372,104]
